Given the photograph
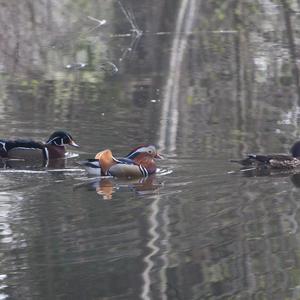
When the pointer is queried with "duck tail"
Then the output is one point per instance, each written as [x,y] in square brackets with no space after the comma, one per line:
[235,160]
[244,162]
[92,166]
[89,163]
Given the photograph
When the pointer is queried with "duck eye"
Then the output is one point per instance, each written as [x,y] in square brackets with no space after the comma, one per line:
[58,141]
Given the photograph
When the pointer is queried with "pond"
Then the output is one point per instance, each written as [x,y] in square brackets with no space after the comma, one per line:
[206,81]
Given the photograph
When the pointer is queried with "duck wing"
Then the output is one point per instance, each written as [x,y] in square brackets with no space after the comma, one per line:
[126,167]
[283,161]
[125,161]
[17,149]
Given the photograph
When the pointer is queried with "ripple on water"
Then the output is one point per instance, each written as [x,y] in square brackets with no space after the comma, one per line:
[6,232]
[3,286]
[71,154]
[6,236]
[23,171]
[163,172]
[2,295]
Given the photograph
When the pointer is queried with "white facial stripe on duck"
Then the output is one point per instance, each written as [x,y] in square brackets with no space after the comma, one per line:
[61,138]
[57,141]
[151,150]
[54,141]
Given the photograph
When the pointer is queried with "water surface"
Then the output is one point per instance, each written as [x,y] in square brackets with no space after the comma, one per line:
[206,81]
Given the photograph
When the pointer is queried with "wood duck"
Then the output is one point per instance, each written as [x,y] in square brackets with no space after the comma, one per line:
[275,161]
[140,162]
[29,150]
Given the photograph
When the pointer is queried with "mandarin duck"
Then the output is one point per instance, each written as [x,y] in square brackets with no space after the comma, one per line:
[31,150]
[274,161]
[140,162]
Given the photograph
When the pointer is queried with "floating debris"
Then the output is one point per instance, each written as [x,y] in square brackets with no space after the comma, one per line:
[225,31]
[76,66]
[131,19]
[108,67]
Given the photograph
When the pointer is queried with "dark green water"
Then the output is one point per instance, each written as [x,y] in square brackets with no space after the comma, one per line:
[206,81]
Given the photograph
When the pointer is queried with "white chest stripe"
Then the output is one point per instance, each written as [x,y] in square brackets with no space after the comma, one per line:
[3,145]
[47,154]
[143,171]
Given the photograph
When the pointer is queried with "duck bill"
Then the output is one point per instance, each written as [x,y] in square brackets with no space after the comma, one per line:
[72,143]
[159,156]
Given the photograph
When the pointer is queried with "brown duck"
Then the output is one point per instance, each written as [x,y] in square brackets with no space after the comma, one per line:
[275,161]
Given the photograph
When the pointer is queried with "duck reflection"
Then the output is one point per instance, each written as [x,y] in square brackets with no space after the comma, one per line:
[20,164]
[295,178]
[293,174]
[106,187]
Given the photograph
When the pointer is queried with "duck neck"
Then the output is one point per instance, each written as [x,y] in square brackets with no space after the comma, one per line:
[55,151]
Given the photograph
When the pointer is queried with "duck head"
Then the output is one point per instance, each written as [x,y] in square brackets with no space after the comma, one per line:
[145,156]
[144,151]
[295,150]
[61,138]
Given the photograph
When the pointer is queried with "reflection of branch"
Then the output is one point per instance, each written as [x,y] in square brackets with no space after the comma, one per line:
[133,44]
[136,32]
[100,23]
[131,19]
